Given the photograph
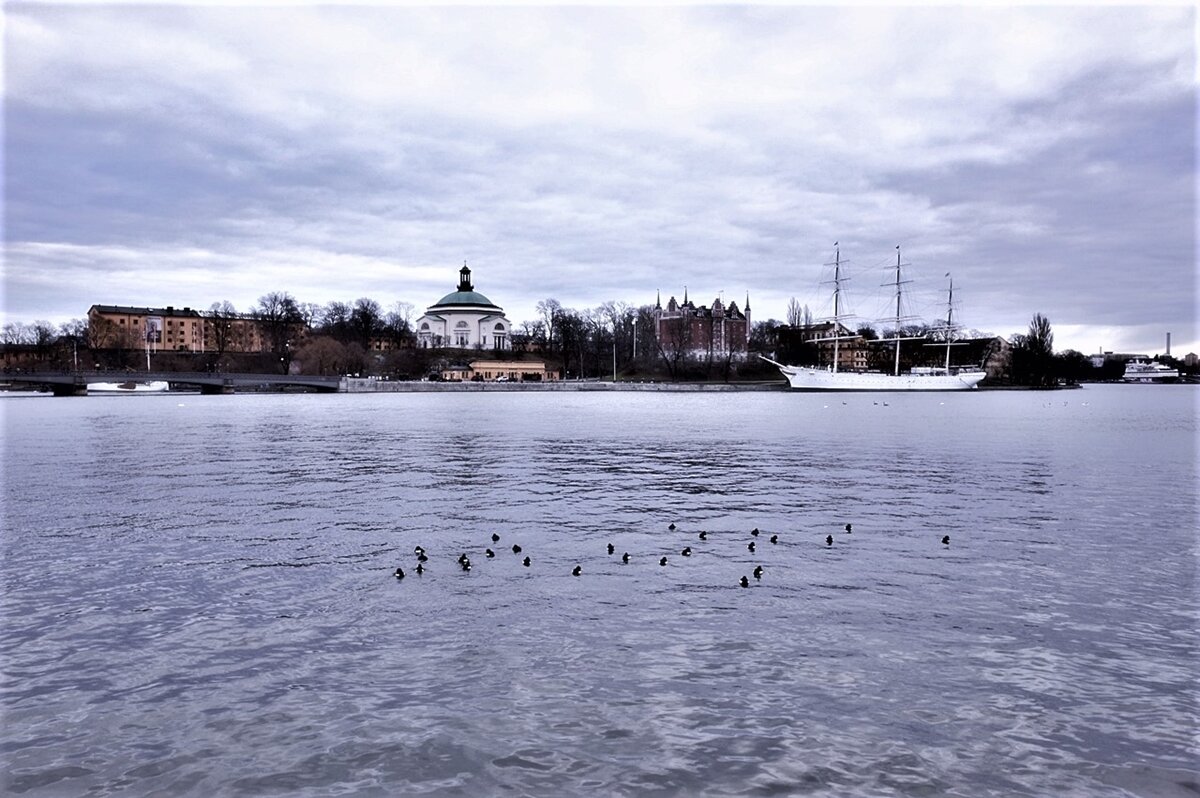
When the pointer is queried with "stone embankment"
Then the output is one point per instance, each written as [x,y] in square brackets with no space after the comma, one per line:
[366,385]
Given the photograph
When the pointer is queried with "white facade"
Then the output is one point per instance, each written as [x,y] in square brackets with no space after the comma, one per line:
[464,319]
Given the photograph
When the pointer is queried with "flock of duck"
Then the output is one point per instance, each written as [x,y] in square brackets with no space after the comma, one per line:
[464,561]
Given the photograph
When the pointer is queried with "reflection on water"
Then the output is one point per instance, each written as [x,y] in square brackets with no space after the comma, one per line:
[199,600]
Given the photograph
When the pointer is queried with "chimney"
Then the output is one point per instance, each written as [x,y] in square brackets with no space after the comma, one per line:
[1168,344]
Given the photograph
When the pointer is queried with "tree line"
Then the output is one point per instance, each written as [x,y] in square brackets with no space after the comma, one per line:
[611,338]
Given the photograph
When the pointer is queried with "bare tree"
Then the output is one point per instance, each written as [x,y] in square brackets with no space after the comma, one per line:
[366,321]
[221,317]
[281,319]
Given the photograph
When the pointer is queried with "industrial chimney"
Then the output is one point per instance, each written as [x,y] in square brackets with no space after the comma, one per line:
[1168,344]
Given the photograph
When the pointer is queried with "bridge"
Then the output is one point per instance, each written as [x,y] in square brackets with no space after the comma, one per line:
[74,383]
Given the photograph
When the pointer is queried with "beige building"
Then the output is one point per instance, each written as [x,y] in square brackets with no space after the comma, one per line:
[501,371]
[172,329]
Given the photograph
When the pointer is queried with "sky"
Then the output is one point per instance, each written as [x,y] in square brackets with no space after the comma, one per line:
[191,154]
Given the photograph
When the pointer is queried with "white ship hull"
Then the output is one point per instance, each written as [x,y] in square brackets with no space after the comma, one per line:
[804,378]
[157,386]
[1140,371]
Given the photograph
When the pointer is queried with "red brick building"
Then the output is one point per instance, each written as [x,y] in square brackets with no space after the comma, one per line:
[719,329]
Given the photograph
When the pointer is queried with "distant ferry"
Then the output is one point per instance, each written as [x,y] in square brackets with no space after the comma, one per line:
[129,386]
[1138,370]
[943,378]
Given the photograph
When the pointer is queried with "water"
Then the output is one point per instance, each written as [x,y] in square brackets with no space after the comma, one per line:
[198,595]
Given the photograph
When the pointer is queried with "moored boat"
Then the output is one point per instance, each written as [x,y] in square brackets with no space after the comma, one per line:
[830,378]
[1138,370]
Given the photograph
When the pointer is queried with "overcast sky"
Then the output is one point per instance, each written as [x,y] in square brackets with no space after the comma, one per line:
[184,155]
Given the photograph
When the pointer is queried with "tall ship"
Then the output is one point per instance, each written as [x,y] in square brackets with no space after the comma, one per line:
[929,378]
[1139,370]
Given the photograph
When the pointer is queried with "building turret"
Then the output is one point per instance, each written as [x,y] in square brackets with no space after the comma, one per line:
[464,278]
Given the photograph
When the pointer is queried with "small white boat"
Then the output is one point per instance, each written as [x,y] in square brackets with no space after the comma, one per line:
[129,386]
[829,378]
[1138,370]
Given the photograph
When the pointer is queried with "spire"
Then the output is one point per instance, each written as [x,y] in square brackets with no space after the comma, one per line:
[464,278]
[658,299]
[747,305]
[685,295]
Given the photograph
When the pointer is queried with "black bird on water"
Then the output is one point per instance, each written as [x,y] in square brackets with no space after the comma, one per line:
[577,570]
[399,573]
[687,552]
[420,569]
[611,548]
[465,563]
[495,538]
[422,558]
[703,535]
[745,582]
[754,531]
[774,538]
[418,550]
[663,561]
[625,558]
[525,562]
[849,528]
[829,540]
[489,553]
[758,572]
[946,540]
[672,526]
[750,545]
[516,549]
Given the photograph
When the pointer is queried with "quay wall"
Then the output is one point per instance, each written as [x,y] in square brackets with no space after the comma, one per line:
[363,385]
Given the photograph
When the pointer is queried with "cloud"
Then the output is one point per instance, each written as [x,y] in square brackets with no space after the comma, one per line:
[1046,156]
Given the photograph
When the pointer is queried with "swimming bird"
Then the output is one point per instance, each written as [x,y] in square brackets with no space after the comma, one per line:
[754,531]
[418,550]
[758,572]
[489,553]
[946,540]
[399,573]
[849,528]
[829,540]
[703,535]
[611,548]
[663,561]
[625,558]
[420,569]
[687,552]
[672,526]
[495,538]
[750,545]
[745,582]
[516,549]
[774,538]
[577,570]
[525,562]
[465,563]
[422,558]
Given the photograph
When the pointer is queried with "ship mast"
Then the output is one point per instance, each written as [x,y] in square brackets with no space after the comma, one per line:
[837,290]
[949,320]
[837,316]
[899,282]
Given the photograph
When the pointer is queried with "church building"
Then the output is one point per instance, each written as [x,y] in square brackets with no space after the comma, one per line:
[464,319]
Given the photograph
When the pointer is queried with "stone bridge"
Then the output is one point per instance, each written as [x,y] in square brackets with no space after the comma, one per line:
[74,383]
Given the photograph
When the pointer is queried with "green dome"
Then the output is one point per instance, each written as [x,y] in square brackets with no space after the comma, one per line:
[464,298]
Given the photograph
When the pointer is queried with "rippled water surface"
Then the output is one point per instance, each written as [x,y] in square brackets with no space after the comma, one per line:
[198,594]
